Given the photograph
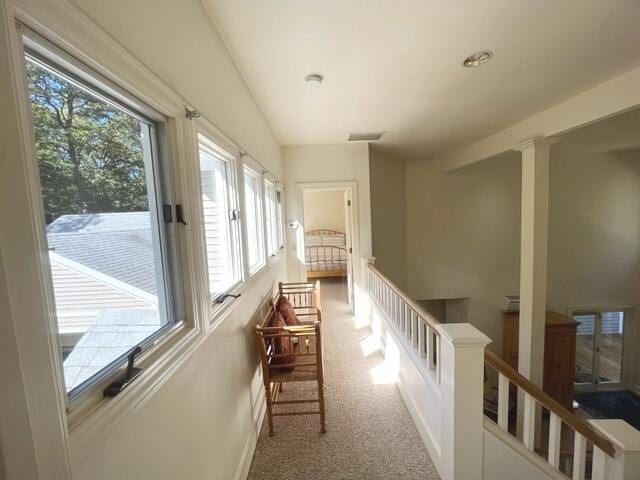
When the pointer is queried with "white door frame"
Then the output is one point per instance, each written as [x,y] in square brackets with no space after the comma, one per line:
[352,187]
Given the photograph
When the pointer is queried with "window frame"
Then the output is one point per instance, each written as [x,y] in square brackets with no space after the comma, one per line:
[628,312]
[253,168]
[280,217]
[271,215]
[170,347]
[208,133]
[165,249]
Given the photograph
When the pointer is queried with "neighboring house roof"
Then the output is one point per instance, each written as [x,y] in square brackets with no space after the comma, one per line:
[103,273]
[81,293]
[114,333]
[115,244]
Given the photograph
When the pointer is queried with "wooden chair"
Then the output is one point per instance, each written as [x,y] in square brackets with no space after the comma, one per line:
[304,363]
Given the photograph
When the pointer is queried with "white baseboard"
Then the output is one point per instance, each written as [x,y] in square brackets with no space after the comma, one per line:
[411,400]
[252,441]
[421,424]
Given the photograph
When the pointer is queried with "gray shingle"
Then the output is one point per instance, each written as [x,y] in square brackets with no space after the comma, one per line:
[116,244]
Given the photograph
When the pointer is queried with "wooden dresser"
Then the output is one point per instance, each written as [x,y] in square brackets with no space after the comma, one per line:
[559,353]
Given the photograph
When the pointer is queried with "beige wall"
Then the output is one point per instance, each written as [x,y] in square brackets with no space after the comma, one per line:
[388,214]
[182,47]
[200,421]
[463,236]
[324,210]
[463,230]
[198,424]
[327,163]
[594,229]
[594,236]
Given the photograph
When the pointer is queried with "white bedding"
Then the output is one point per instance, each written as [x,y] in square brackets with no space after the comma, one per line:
[322,259]
[336,240]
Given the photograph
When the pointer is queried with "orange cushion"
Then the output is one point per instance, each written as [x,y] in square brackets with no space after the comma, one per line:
[285,309]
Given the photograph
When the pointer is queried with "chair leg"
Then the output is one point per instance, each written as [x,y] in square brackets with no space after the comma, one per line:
[269,411]
[323,420]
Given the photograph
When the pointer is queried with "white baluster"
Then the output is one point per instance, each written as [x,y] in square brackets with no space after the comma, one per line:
[395,308]
[412,326]
[429,349]
[436,362]
[555,435]
[428,346]
[405,323]
[579,456]
[421,338]
[503,402]
[528,434]
[625,463]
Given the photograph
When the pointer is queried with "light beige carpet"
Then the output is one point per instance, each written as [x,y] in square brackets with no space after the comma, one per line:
[370,434]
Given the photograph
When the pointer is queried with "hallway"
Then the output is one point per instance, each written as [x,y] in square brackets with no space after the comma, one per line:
[370,434]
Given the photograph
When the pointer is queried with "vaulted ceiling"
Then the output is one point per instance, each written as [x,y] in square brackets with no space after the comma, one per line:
[396,65]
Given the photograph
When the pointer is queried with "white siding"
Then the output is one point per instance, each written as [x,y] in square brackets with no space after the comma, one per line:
[79,298]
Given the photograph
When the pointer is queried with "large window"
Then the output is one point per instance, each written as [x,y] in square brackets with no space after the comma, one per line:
[221,219]
[254,219]
[110,250]
[271,216]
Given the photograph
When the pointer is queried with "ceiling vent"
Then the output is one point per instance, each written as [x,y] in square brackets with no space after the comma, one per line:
[365,137]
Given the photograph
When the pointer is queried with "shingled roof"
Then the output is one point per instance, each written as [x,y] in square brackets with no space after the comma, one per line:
[116,244]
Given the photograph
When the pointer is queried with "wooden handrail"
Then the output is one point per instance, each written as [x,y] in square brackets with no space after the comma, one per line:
[426,316]
[575,422]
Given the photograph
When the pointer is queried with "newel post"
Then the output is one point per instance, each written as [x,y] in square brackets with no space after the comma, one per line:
[625,465]
[462,383]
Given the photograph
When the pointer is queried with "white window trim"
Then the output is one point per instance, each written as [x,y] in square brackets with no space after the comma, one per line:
[629,311]
[81,38]
[170,287]
[217,312]
[283,222]
[256,168]
[267,178]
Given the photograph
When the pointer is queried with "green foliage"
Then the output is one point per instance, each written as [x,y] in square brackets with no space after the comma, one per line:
[89,153]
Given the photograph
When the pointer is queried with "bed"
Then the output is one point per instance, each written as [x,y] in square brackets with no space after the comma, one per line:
[325,253]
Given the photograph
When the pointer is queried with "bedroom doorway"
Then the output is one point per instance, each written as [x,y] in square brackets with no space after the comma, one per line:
[328,235]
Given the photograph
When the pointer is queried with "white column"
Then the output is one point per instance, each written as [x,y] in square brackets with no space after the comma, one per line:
[462,377]
[625,465]
[533,256]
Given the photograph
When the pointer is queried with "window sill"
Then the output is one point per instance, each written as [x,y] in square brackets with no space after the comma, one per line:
[258,269]
[220,311]
[91,422]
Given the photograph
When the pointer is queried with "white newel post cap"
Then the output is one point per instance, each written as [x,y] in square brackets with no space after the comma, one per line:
[626,440]
[462,335]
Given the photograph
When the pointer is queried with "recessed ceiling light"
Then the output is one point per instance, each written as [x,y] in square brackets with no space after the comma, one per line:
[478,58]
[314,79]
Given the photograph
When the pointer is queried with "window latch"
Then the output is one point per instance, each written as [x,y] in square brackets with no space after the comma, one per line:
[123,382]
[167,213]
[180,215]
[224,296]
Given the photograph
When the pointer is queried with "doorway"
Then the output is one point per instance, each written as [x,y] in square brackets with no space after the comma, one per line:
[328,234]
[599,349]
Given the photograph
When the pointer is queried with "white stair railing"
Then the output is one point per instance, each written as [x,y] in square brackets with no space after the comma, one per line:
[452,356]
[412,322]
[535,399]
[445,368]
